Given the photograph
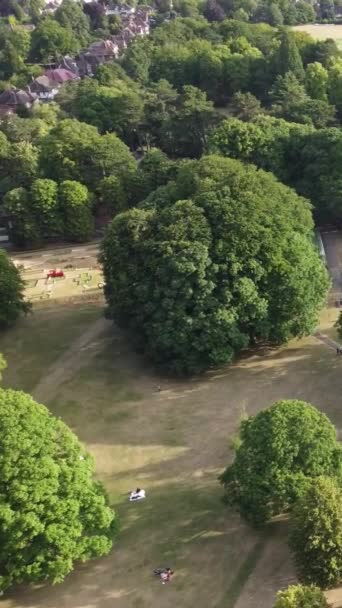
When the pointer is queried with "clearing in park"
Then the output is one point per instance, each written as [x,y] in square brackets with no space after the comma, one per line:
[174,443]
[322,31]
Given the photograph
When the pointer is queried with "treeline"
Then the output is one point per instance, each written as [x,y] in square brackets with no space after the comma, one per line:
[305,158]
[215,254]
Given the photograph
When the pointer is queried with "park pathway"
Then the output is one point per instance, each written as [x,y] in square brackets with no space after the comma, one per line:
[70,361]
[327,341]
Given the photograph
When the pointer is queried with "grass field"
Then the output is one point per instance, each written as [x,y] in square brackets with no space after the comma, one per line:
[322,31]
[173,443]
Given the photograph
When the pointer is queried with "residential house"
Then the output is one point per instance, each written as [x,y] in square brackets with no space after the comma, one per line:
[50,7]
[120,10]
[43,88]
[59,76]
[69,63]
[98,53]
[12,99]
[47,86]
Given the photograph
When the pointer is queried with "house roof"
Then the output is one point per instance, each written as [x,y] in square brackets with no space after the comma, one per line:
[16,97]
[68,63]
[102,47]
[41,84]
[60,75]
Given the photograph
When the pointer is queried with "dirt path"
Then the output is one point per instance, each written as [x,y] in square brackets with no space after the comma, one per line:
[70,361]
[327,341]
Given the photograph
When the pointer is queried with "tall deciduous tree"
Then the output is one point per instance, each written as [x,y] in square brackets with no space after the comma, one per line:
[53,512]
[45,207]
[50,41]
[12,303]
[282,449]
[316,536]
[76,208]
[316,80]
[71,16]
[24,229]
[201,270]
[75,151]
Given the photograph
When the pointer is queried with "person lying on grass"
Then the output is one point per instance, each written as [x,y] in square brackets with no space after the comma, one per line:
[165,574]
[137,494]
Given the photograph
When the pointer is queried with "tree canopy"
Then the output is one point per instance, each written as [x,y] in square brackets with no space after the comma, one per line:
[281,450]
[12,302]
[213,262]
[301,596]
[316,536]
[53,512]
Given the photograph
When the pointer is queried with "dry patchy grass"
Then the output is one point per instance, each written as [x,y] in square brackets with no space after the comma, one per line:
[322,31]
[173,443]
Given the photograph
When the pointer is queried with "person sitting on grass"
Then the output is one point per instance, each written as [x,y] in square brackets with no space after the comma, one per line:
[137,494]
[165,574]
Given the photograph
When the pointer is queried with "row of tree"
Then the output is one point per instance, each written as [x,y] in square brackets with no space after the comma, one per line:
[49,211]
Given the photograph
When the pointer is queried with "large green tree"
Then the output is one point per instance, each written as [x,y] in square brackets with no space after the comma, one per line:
[12,302]
[288,58]
[316,536]
[316,80]
[45,207]
[75,151]
[24,229]
[52,511]
[51,41]
[71,16]
[202,264]
[281,450]
[76,207]
[301,596]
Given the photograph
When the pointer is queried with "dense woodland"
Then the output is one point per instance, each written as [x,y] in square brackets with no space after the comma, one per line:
[211,142]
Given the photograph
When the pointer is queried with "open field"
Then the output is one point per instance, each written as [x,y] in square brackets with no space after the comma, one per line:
[322,31]
[173,443]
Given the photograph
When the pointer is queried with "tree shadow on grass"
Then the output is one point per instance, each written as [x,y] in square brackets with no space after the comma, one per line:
[186,528]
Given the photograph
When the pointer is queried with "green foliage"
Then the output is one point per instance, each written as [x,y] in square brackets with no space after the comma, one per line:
[118,107]
[185,132]
[3,365]
[53,513]
[71,16]
[316,536]
[265,142]
[316,81]
[301,596]
[289,59]
[18,129]
[245,106]
[12,303]
[21,166]
[292,103]
[75,151]
[335,86]
[282,449]
[201,270]
[76,206]
[14,49]
[24,226]
[50,40]
[49,211]
[45,207]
